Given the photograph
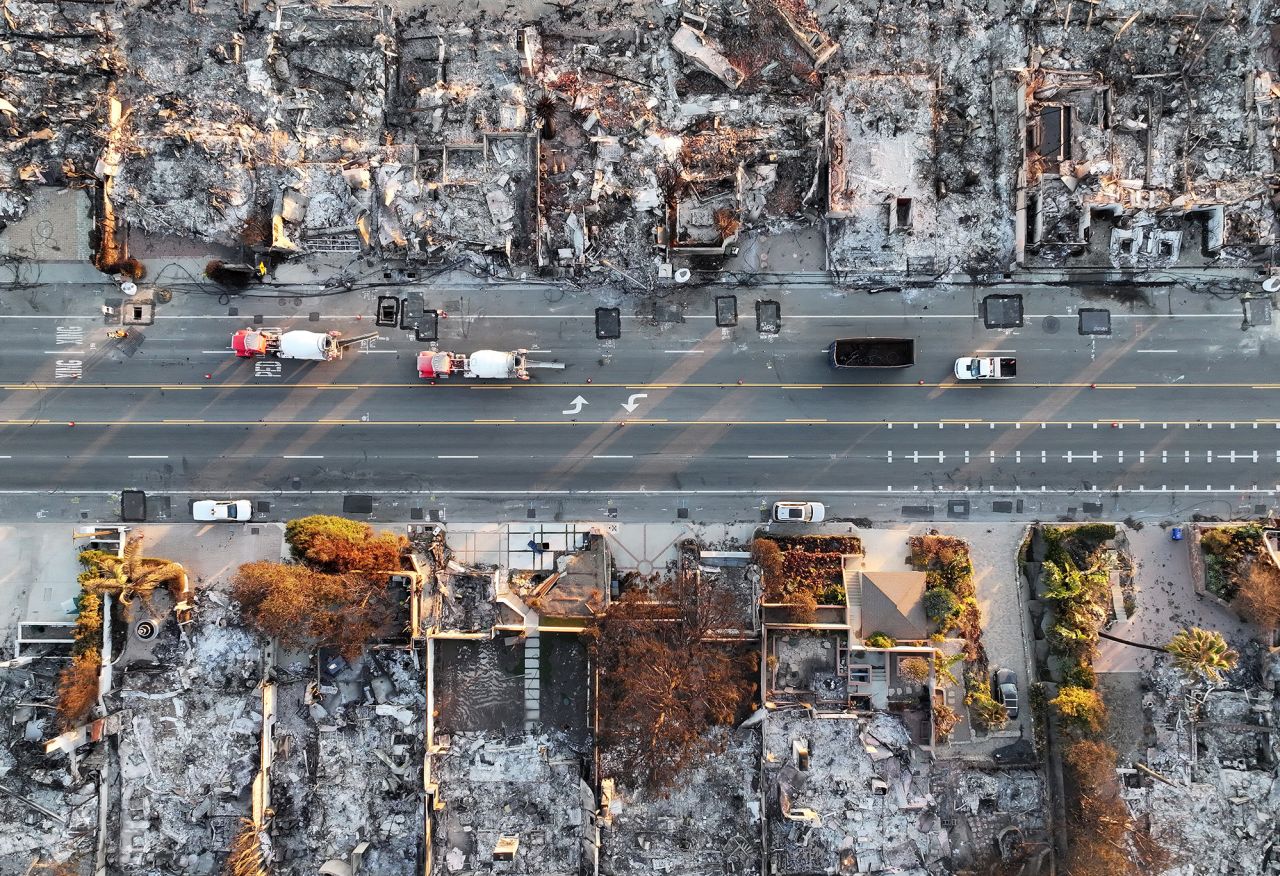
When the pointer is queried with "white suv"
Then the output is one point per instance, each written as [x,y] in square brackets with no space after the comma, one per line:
[799,512]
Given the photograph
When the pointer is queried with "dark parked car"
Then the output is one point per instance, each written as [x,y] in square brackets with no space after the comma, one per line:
[1006,690]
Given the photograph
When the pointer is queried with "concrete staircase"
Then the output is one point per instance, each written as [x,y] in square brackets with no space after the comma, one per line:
[532,676]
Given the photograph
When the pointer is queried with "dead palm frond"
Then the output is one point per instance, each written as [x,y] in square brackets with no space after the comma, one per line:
[132,574]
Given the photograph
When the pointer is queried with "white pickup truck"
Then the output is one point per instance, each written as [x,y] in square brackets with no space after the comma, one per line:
[986,368]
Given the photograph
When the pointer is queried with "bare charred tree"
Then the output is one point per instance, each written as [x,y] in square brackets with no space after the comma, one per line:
[669,673]
[545,110]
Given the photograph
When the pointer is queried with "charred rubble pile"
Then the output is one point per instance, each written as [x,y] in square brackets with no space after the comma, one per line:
[1150,135]
[348,758]
[1206,786]
[48,805]
[632,145]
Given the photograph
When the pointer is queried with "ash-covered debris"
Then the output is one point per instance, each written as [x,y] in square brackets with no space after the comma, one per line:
[624,145]
[455,597]
[58,63]
[993,815]
[188,745]
[855,795]
[348,764]
[1206,785]
[1150,136]
[511,804]
[843,799]
[708,823]
[48,805]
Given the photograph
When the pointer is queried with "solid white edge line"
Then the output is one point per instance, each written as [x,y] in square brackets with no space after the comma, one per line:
[302,457]
[148,457]
[457,457]
[262,491]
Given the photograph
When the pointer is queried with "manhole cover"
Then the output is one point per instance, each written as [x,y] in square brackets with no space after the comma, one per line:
[1050,324]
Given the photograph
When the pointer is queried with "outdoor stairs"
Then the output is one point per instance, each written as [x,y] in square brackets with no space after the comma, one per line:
[532,672]
[852,579]
[532,655]
[879,674]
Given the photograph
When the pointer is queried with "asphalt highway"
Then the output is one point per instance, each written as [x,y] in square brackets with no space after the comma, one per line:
[1177,400]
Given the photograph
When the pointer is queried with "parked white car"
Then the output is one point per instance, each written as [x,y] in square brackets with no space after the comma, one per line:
[213,509]
[799,512]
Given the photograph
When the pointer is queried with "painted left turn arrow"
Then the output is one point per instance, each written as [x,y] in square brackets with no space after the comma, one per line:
[632,403]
